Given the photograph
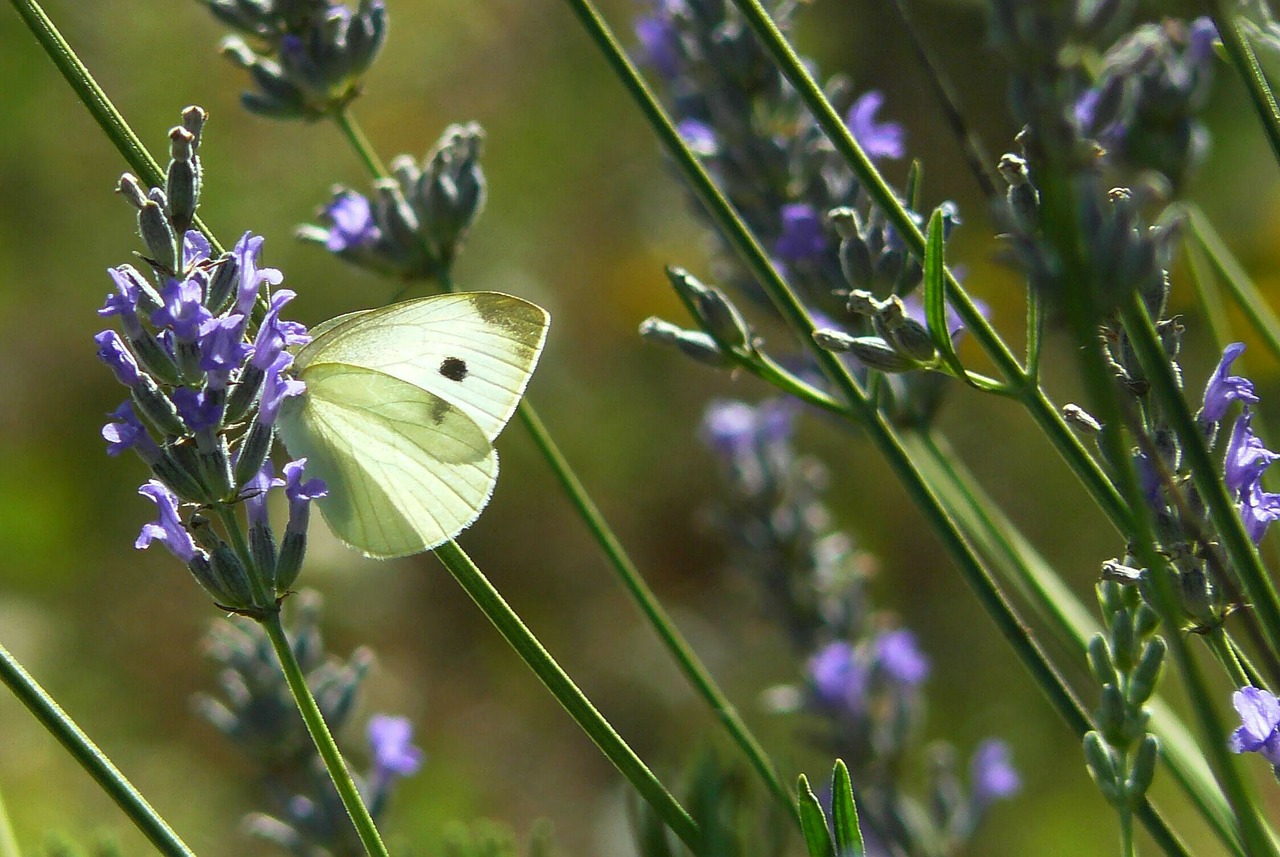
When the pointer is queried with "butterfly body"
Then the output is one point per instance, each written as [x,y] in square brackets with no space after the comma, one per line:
[401,409]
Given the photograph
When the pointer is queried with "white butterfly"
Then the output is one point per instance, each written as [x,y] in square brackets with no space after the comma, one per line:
[400,412]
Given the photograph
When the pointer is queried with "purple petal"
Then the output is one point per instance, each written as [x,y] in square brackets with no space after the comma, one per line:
[878,140]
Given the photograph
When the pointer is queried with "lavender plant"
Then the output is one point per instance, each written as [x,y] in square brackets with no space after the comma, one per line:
[814,240]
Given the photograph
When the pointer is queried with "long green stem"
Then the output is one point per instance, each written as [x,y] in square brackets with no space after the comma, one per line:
[77,743]
[628,573]
[99,105]
[588,718]
[881,433]
[1243,58]
[322,738]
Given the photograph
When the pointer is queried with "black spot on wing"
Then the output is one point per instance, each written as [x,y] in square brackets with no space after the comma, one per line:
[439,410]
[453,368]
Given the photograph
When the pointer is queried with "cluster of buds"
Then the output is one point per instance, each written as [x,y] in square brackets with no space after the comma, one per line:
[255,710]
[416,221]
[204,356]
[306,57]
[1127,661]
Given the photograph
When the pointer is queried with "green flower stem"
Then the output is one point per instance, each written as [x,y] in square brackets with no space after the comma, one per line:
[628,574]
[736,232]
[1126,834]
[360,144]
[1244,558]
[1246,63]
[8,842]
[531,651]
[99,105]
[1070,623]
[322,738]
[1251,301]
[1226,655]
[1032,397]
[75,742]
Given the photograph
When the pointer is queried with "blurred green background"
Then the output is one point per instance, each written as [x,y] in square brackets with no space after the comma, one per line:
[582,215]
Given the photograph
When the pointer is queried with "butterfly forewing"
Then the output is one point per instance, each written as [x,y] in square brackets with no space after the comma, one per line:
[475,350]
[406,470]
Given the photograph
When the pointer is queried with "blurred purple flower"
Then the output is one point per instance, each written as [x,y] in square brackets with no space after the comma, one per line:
[733,428]
[993,775]
[1258,508]
[802,235]
[391,739]
[659,43]
[900,658]
[878,140]
[351,222]
[838,678]
[698,136]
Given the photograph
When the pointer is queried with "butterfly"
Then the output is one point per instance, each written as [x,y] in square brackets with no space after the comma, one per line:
[401,408]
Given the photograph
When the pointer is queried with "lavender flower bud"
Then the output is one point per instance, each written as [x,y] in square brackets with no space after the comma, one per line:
[1146,675]
[222,285]
[232,588]
[693,343]
[182,182]
[1102,767]
[157,233]
[253,452]
[717,313]
[1100,663]
[1143,770]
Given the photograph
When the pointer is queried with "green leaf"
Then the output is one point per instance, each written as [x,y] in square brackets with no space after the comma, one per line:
[813,822]
[935,296]
[844,814]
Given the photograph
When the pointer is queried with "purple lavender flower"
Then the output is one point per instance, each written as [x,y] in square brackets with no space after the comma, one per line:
[1223,389]
[394,754]
[169,528]
[276,387]
[222,348]
[900,658]
[255,494]
[300,494]
[195,249]
[1246,457]
[659,43]
[992,773]
[199,410]
[252,278]
[802,236]
[698,136]
[1258,508]
[124,302]
[183,310]
[1200,40]
[128,432]
[351,222]
[113,352]
[275,335]
[878,140]
[1259,716]
[838,677]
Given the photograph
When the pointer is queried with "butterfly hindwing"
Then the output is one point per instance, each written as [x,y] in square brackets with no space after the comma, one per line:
[406,470]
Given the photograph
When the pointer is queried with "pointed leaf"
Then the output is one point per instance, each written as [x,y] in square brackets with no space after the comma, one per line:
[813,821]
[935,296]
[844,814]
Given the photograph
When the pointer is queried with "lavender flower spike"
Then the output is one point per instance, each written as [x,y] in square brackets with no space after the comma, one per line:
[877,139]
[169,528]
[1223,389]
